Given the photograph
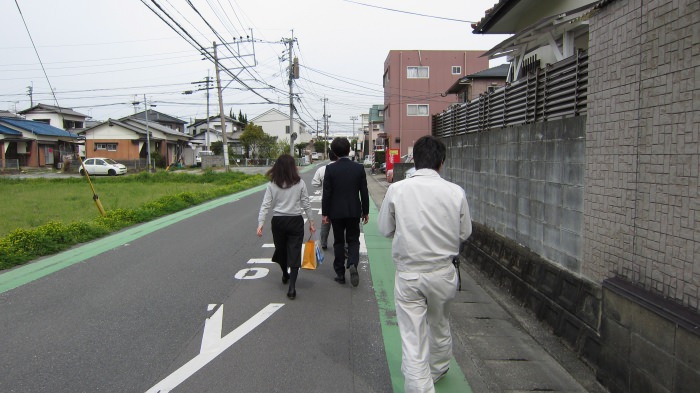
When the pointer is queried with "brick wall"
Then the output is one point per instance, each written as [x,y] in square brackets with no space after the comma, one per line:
[641,209]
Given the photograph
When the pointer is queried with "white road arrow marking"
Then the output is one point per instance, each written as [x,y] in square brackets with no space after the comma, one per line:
[213,345]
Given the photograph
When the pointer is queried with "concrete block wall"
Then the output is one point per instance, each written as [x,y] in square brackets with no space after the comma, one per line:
[642,206]
[525,183]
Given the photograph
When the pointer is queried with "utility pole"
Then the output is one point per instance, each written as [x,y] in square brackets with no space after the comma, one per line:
[30,91]
[148,135]
[206,136]
[293,74]
[325,128]
[207,86]
[221,109]
[354,148]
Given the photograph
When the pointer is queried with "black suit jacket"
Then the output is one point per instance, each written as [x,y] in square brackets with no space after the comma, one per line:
[345,192]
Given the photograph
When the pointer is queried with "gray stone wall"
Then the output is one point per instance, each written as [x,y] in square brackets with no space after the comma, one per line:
[642,211]
[526,183]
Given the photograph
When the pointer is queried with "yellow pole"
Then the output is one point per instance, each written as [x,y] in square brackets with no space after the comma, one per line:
[94,194]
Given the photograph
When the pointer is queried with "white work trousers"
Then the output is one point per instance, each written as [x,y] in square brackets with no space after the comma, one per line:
[423,311]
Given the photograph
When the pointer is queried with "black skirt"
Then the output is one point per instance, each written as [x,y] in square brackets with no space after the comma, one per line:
[288,236]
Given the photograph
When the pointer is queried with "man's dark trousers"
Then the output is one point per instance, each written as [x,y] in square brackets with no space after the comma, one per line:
[346,230]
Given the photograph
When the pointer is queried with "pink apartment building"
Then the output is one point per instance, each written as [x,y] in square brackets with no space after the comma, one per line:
[415,86]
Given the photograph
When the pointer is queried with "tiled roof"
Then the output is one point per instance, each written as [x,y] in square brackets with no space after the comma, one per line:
[54,109]
[37,127]
[155,116]
[499,71]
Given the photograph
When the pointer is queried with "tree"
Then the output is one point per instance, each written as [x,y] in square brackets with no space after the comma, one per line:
[268,147]
[300,147]
[241,118]
[217,147]
[251,138]
[320,145]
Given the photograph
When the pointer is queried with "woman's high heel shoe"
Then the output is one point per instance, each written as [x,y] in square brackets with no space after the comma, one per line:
[292,293]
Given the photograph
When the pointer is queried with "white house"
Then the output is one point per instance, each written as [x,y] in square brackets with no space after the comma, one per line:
[276,123]
[63,118]
[203,137]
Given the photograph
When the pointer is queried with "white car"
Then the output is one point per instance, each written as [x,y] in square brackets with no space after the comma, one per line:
[316,155]
[102,166]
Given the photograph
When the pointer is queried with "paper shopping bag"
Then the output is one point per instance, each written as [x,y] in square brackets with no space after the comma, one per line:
[308,260]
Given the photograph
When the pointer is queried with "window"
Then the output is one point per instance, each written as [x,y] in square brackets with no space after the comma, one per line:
[417,72]
[417,110]
[286,129]
[106,146]
[456,70]
[380,113]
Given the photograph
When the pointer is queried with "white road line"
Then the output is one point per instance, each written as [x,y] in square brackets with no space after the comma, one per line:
[214,345]
[260,260]
[268,245]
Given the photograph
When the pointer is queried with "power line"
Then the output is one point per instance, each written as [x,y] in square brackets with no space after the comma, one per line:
[37,52]
[410,13]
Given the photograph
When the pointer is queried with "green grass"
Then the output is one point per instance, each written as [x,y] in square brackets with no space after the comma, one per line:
[42,217]
[29,203]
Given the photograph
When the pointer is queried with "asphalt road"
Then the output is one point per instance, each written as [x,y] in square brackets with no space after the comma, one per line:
[188,303]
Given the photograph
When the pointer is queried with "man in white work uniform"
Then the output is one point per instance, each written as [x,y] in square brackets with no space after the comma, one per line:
[317,182]
[428,218]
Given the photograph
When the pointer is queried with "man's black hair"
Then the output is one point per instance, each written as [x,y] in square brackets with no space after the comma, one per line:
[429,152]
[340,146]
[332,156]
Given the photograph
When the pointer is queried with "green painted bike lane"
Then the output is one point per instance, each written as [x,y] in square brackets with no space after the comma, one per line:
[382,270]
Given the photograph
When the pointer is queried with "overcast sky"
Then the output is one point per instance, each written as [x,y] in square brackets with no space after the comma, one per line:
[101,56]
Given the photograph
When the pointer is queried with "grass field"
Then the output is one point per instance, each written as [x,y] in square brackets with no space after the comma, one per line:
[32,202]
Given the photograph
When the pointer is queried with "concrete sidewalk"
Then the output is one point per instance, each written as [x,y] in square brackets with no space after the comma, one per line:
[499,346]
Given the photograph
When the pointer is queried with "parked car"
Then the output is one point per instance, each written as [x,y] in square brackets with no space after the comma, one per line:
[316,155]
[102,166]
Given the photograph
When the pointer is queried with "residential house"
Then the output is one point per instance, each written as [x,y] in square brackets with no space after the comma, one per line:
[375,129]
[34,144]
[4,113]
[473,85]
[414,85]
[582,174]
[63,118]
[161,118]
[276,123]
[205,133]
[130,140]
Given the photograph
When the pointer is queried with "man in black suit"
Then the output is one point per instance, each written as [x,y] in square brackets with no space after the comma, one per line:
[345,201]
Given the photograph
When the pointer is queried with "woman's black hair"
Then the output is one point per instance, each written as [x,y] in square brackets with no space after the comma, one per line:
[284,172]
[429,152]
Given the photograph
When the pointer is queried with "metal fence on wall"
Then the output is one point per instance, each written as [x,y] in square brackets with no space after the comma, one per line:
[554,92]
